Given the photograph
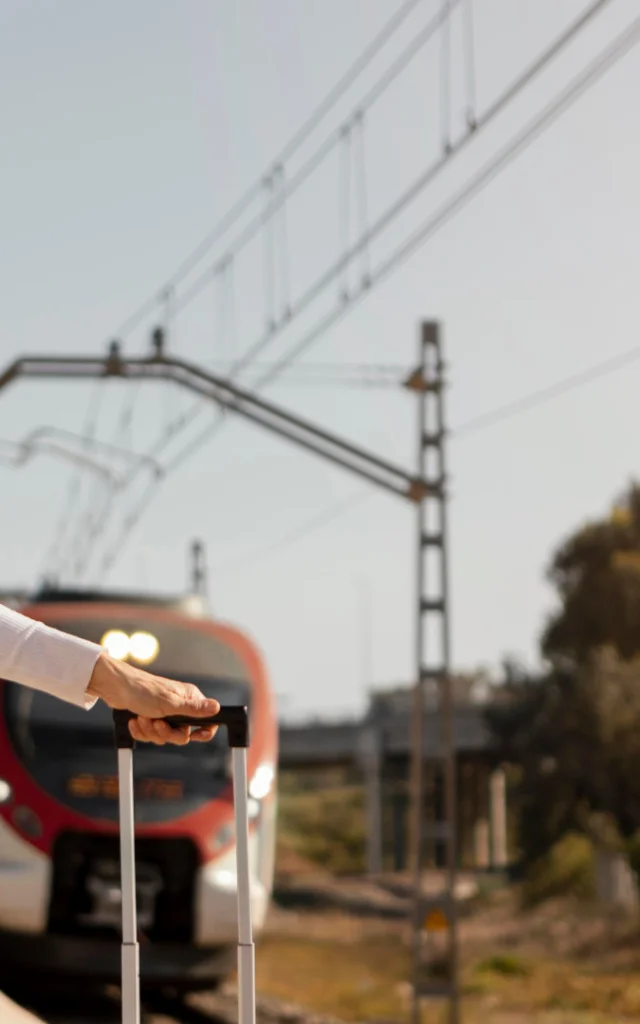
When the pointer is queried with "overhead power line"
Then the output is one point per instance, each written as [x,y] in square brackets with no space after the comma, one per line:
[566,98]
[548,393]
[390,215]
[607,58]
[445,213]
[500,414]
[292,146]
[254,193]
[374,375]
[336,138]
[55,555]
[318,522]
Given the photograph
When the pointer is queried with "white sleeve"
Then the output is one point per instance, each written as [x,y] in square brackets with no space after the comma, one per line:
[46,659]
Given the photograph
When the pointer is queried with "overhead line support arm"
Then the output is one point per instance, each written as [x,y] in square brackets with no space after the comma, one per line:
[229,396]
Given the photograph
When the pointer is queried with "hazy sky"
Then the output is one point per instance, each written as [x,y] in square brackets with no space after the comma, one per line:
[130,128]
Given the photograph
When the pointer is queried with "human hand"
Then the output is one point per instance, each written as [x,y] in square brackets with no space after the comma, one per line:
[152,698]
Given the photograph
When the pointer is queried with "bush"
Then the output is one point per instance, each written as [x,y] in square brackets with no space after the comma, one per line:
[326,828]
[506,964]
[568,869]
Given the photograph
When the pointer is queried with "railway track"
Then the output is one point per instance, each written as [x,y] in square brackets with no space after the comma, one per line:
[56,1003]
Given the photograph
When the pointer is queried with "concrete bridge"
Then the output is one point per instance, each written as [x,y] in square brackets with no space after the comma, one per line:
[376,749]
[317,743]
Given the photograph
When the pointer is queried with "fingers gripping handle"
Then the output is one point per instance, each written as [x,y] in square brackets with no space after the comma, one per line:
[234,717]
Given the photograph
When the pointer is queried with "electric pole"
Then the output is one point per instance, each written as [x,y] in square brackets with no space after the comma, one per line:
[435,939]
[199,582]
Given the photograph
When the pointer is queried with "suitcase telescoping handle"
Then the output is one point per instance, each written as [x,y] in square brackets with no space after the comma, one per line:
[236,720]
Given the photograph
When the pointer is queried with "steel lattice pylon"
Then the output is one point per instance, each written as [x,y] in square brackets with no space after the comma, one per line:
[435,964]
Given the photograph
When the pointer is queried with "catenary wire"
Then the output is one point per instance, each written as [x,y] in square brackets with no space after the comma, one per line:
[54,557]
[384,221]
[500,414]
[249,357]
[479,181]
[293,183]
[277,165]
[295,142]
[259,223]
[576,88]
[579,84]
[470,62]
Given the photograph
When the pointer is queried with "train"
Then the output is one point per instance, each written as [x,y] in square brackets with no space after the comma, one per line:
[60,907]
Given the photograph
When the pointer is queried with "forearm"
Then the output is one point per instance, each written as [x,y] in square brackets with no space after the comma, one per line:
[46,659]
[80,672]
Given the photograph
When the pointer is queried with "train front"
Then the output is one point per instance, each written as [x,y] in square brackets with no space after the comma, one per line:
[59,858]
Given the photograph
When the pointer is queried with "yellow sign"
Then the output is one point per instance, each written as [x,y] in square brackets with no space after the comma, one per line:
[436,921]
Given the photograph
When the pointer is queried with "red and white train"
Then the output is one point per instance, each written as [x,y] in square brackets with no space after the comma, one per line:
[59,861]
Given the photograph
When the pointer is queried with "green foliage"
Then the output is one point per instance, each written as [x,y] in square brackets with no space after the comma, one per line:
[574,730]
[575,736]
[326,828]
[509,965]
[567,869]
[596,573]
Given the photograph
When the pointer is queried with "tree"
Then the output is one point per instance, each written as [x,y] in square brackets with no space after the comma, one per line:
[575,735]
[596,573]
[574,729]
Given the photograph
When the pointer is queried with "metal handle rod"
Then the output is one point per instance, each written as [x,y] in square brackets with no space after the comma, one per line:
[236,721]
[130,947]
[246,952]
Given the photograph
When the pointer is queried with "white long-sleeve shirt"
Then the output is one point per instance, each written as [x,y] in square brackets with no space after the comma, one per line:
[46,659]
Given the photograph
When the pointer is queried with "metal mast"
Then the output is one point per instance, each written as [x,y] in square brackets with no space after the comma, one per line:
[435,940]
[198,582]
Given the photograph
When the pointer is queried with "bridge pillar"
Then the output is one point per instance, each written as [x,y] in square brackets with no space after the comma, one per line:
[400,803]
[481,829]
[481,847]
[371,758]
[498,817]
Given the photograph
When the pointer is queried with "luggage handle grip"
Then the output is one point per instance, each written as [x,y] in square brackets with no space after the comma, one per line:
[235,717]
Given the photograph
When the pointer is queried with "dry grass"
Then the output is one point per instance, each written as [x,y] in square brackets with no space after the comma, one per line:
[559,965]
[560,962]
[347,980]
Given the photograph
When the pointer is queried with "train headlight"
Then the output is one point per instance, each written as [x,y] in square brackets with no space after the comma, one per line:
[116,643]
[143,648]
[262,781]
[6,792]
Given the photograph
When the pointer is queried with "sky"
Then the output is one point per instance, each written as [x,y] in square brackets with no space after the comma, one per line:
[129,130]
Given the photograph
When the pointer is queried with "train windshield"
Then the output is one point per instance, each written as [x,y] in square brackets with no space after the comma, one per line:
[70,752]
